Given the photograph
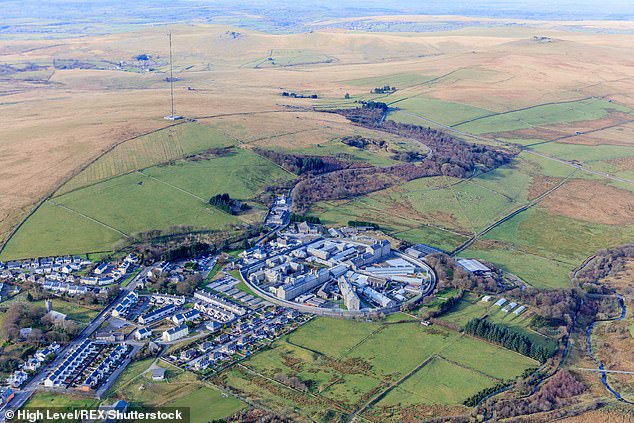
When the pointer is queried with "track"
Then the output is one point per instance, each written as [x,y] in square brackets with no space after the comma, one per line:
[509,216]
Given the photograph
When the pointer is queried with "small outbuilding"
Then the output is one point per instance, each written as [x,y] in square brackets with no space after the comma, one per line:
[158,373]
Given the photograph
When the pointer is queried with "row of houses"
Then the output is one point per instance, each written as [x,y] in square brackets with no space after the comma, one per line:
[74,362]
[33,364]
[123,308]
[65,288]
[220,302]
[44,262]
[158,314]
[105,368]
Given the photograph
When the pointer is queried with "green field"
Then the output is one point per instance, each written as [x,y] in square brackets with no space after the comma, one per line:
[207,404]
[543,248]
[444,112]
[242,174]
[53,230]
[549,114]
[344,364]
[439,238]
[149,150]
[94,217]
[537,270]
[595,157]
[438,211]
[181,389]
[55,399]
[439,382]
[289,57]
[331,337]
[76,312]
[557,237]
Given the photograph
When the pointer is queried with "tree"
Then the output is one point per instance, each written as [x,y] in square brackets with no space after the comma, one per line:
[347,96]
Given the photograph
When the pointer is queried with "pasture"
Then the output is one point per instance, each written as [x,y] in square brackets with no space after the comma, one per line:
[445,112]
[55,399]
[180,388]
[95,217]
[344,364]
[53,230]
[542,115]
[556,237]
[439,382]
[158,147]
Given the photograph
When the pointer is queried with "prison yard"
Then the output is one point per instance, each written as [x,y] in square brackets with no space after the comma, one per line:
[377,219]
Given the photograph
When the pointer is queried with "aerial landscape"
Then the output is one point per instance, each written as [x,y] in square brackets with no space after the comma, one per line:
[354,211]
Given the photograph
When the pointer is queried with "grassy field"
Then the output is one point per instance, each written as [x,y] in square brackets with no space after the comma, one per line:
[447,113]
[242,174]
[55,399]
[289,57]
[537,270]
[345,363]
[439,382]
[439,211]
[76,312]
[207,404]
[54,230]
[556,237]
[180,389]
[148,150]
[93,218]
[549,114]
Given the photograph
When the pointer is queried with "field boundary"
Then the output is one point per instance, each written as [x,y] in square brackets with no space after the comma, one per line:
[88,217]
[552,103]
[72,174]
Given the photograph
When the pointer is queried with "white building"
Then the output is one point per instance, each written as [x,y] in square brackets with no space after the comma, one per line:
[175,333]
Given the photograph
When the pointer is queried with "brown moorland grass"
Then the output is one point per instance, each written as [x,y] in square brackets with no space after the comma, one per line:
[592,201]
[604,416]
[54,126]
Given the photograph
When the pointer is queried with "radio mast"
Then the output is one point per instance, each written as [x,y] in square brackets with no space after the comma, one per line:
[172,116]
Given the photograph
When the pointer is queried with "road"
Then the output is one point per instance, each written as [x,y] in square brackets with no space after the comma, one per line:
[23,395]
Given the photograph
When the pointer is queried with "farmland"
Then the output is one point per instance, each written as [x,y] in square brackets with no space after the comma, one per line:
[89,165]
[345,363]
[179,389]
[96,216]
[158,147]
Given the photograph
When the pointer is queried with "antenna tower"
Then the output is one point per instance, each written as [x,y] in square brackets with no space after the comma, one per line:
[172,116]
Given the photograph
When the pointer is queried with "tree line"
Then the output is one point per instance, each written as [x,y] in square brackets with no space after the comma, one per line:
[557,392]
[303,218]
[302,164]
[227,204]
[508,338]
[450,157]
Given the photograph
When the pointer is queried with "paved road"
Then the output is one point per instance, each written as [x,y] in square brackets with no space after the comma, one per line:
[23,395]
